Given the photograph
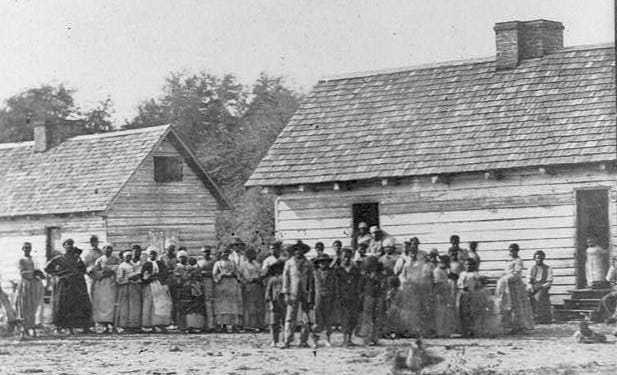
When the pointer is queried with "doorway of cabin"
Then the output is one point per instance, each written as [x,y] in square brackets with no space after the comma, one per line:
[591,219]
[364,212]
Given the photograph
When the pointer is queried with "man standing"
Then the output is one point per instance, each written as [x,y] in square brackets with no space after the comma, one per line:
[363,235]
[275,253]
[609,301]
[169,259]
[455,241]
[298,289]
[349,282]
[89,257]
[539,281]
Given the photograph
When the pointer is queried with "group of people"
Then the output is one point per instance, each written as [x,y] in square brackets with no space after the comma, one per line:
[372,291]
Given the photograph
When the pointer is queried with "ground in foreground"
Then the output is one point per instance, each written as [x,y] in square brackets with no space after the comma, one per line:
[546,350]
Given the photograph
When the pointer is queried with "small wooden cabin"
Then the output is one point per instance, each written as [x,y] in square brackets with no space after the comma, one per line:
[142,186]
[519,147]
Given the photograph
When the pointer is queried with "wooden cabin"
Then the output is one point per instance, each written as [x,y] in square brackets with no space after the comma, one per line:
[518,147]
[142,186]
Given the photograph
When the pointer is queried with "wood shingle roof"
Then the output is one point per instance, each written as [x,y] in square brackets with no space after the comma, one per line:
[450,118]
[81,174]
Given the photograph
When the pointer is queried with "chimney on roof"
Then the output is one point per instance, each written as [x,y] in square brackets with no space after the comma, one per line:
[521,40]
[41,136]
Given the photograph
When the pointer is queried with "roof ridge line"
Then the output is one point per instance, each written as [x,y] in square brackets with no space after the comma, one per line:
[119,133]
[441,64]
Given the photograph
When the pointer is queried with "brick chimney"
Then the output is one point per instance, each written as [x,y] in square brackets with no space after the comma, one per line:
[42,137]
[521,40]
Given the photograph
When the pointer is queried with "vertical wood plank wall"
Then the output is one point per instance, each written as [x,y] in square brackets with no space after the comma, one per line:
[185,208]
[14,232]
[537,211]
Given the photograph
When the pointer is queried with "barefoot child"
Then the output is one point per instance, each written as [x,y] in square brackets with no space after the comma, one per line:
[275,300]
[374,306]
[325,294]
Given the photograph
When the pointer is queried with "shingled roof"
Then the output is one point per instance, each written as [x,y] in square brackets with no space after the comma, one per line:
[454,117]
[81,174]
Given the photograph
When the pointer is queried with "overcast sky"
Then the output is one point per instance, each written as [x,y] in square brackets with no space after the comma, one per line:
[124,49]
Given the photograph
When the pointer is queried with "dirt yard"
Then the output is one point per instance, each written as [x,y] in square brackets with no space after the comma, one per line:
[547,350]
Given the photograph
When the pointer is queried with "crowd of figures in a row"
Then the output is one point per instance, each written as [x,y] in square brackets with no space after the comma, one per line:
[371,291]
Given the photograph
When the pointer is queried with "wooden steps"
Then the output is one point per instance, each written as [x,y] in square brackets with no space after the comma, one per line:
[583,302]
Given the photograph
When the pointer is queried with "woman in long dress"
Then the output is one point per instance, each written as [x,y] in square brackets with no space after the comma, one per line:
[29,291]
[444,298]
[207,264]
[253,292]
[227,293]
[71,306]
[128,302]
[413,305]
[105,289]
[156,301]
[512,296]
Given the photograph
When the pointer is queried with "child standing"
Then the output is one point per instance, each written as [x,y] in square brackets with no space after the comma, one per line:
[374,305]
[349,281]
[275,300]
[325,294]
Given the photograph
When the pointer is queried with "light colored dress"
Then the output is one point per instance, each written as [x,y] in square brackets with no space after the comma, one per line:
[104,289]
[411,311]
[30,293]
[227,293]
[596,265]
[444,300]
[128,302]
[513,299]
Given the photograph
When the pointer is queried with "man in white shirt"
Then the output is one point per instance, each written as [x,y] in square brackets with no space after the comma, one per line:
[609,301]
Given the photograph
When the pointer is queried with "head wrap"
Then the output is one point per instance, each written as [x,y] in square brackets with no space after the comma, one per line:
[127,253]
[389,242]
[362,225]
[152,248]
[374,229]
[183,253]
[68,240]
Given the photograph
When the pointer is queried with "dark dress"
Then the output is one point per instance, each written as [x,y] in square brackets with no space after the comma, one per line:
[71,306]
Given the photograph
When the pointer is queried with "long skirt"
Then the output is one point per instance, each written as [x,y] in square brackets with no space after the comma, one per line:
[149,317]
[128,302]
[410,313]
[191,306]
[444,302]
[104,294]
[228,302]
[208,284]
[373,313]
[253,305]
[29,298]
[72,307]
[478,315]
[513,303]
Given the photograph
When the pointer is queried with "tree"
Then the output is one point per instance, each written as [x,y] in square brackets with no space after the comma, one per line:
[56,106]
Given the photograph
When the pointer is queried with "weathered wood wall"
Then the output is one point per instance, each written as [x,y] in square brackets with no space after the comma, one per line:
[14,232]
[537,211]
[146,211]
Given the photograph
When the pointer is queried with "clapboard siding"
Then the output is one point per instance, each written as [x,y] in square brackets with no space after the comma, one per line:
[538,211]
[14,232]
[184,210]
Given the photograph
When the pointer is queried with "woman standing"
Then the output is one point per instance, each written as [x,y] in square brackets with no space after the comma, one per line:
[227,292]
[72,307]
[30,290]
[156,304]
[105,289]
[253,292]
[512,297]
[128,313]
[207,264]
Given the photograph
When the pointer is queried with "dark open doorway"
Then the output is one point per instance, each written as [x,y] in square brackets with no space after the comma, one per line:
[591,218]
[364,212]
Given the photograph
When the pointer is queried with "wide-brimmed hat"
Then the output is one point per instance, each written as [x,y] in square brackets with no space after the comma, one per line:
[323,258]
[236,241]
[304,248]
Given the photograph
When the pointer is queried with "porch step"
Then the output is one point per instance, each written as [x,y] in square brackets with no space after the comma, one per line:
[582,304]
[588,293]
[562,314]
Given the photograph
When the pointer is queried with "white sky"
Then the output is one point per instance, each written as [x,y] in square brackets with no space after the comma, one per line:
[124,49]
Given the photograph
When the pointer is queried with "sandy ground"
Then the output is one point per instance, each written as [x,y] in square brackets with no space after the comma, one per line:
[546,350]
